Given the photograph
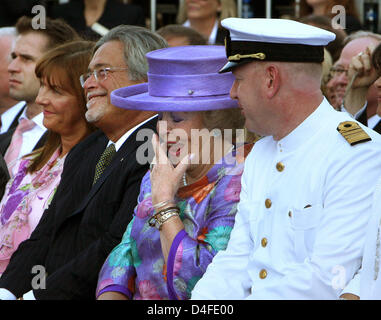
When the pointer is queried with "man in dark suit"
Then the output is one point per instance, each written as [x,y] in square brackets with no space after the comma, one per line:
[87,217]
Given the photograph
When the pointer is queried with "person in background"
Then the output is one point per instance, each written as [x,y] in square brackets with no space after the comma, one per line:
[93,18]
[325,8]
[10,109]
[100,181]
[324,22]
[29,46]
[178,35]
[355,44]
[306,189]
[38,174]
[185,209]
[205,15]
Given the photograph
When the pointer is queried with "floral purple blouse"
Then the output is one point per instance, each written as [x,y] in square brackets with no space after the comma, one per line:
[136,266]
[25,198]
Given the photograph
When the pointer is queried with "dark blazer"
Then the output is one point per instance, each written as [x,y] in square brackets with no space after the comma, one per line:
[83,223]
[6,137]
[114,14]
[363,118]
[4,176]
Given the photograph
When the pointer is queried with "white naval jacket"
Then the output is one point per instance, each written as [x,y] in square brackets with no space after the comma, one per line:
[367,282]
[304,207]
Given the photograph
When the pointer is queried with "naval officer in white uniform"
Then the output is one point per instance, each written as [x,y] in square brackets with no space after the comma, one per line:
[307,185]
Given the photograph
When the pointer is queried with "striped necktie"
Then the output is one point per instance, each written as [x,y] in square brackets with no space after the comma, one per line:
[104,161]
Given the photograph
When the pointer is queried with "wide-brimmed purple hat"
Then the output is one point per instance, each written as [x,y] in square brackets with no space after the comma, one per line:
[181,79]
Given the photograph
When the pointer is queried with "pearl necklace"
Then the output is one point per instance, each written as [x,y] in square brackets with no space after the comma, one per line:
[185,180]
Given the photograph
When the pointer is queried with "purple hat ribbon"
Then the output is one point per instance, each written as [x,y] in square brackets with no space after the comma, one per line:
[189,85]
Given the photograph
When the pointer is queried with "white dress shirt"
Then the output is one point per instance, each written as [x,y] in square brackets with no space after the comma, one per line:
[301,220]
[124,137]
[213,35]
[8,116]
[31,137]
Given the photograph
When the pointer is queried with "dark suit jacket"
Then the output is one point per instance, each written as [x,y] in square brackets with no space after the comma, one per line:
[362,118]
[83,223]
[4,176]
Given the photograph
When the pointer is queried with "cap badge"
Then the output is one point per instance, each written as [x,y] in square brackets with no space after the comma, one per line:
[237,57]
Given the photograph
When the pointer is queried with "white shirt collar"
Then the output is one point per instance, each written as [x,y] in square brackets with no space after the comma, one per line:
[213,34]
[373,120]
[124,137]
[308,128]
[38,119]
[9,115]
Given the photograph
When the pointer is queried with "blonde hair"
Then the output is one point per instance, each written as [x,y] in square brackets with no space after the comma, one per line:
[326,67]
[228,9]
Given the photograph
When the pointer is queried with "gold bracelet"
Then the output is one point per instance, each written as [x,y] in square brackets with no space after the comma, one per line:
[162,204]
[165,217]
[154,221]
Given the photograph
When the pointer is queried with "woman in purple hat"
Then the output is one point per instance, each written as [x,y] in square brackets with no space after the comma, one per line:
[188,199]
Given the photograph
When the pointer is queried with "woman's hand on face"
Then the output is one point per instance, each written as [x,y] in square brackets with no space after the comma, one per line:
[165,178]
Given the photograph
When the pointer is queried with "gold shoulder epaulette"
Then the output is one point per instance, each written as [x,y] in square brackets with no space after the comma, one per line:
[353,133]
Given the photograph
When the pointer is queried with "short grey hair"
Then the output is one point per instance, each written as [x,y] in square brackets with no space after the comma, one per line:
[137,41]
[361,34]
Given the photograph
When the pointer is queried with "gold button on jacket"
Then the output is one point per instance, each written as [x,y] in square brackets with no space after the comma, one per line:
[263,274]
[264,242]
[268,203]
[280,166]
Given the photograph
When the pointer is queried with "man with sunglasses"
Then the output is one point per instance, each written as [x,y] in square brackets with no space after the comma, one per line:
[100,182]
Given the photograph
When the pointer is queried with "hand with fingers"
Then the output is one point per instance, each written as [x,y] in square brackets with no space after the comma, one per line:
[165,177]
[165,181]
[361,70]
[362,75]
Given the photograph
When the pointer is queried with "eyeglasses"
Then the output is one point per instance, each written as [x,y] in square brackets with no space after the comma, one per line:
[337,71]
[100,74]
